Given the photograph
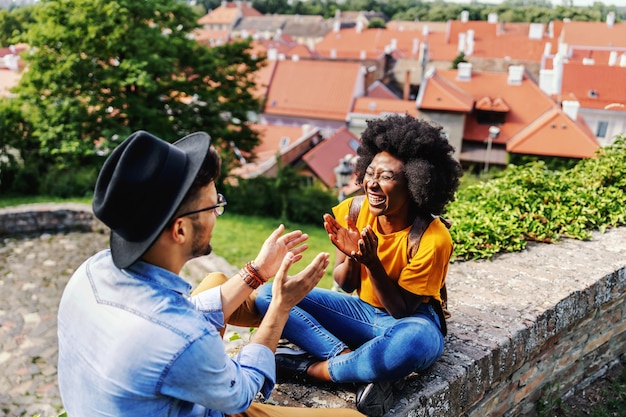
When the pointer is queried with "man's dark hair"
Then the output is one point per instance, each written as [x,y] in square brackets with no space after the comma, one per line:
[430,168]
[209,171]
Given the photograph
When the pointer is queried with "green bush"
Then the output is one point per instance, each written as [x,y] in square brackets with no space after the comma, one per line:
[307,205]
[535,203]
[289,197]
[65,183]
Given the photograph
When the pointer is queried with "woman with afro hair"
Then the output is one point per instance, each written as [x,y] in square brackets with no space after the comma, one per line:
[393,252]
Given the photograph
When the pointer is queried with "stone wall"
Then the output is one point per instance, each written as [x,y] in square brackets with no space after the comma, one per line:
[541,322]
[49,217]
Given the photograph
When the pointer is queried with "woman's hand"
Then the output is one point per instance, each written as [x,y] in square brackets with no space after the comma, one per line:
[367,254]
[276,247]
[344,239]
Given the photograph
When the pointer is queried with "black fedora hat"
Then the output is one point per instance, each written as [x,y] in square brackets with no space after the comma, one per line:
[140,187]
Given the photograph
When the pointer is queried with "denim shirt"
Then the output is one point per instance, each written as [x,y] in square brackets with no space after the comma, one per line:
[133,342]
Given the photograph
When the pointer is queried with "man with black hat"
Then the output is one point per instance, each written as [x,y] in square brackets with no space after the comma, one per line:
[133,341]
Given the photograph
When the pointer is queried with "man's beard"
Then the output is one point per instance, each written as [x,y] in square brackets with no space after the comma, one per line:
[199,247]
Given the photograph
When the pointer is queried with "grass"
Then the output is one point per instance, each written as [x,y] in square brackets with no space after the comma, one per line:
[238,239]
[18,200]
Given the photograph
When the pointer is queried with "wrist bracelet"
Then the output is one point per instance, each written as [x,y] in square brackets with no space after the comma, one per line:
[253,270]
[249,279]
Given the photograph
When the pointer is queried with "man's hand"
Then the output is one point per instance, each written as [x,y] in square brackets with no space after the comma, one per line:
[290,290]
[276,247]
[287,292]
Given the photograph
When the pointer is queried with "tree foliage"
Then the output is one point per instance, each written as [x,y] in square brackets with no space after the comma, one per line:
[99,70]
[539,11]
[13,23]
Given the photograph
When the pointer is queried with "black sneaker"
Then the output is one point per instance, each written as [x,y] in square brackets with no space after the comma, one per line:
[374,399]
[293,362]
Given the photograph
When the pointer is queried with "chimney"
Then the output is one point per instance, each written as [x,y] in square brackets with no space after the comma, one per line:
[461,45]
[622,60]
[363,55]
[359,26]
[416,46]
[469,50]
[272,54]
[464,71]
[464,16]
[547,48]
[516,74]
[492,18]
[406,91]
[588,61]
[336,26]
[570,108]
[610,19]
[535,31]
[612,58]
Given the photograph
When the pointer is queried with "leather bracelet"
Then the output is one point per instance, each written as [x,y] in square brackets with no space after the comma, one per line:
[249,279]
[253,270]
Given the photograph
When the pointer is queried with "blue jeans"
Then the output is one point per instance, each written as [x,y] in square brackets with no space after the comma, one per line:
[383,348]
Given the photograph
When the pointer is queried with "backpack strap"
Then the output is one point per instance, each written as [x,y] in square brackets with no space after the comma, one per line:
[355,207]
[420,225]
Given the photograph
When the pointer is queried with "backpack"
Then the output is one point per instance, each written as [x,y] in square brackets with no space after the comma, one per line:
[413,242]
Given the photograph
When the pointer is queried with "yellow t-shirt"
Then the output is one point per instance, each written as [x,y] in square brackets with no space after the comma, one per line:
[426,272]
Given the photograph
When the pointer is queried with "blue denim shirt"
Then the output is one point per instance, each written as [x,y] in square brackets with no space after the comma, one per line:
[133,342]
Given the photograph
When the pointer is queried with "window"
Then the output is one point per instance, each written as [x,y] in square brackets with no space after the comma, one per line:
[601,130]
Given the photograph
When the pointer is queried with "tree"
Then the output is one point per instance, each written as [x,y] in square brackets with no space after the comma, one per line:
[99,70]
[13,22]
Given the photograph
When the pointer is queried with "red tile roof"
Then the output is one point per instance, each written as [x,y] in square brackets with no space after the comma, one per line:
[380,106]
[413,26]
[315,89]
[501,40]
[274,140]
[594,34]
[528,121]
[379,90]
[228,13]
[282,45]
[443,95]
[554,133]
[323,158]
[595,86]
[263,78]
[369,43]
